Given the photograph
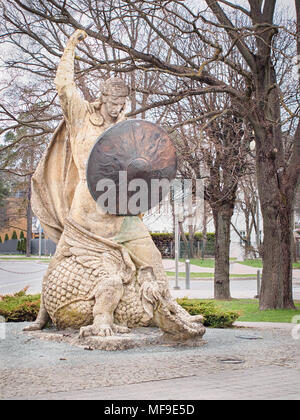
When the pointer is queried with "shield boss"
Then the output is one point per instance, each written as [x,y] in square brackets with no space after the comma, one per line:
[125,161]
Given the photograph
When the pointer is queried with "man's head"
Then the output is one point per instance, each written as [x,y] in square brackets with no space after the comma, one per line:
[113,95]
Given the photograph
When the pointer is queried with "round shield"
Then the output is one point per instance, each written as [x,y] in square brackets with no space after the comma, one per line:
[130,167]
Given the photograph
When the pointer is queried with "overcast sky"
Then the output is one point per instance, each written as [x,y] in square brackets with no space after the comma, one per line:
[285,6]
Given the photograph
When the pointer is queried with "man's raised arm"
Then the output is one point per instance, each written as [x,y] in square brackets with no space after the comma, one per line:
[70,99]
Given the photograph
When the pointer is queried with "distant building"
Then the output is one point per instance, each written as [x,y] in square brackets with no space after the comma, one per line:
[297,225]
[13,216]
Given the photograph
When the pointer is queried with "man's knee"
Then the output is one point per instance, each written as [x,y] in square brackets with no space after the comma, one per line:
[110,286]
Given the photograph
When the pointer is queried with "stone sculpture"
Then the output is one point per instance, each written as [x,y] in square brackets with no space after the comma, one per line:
[106,275]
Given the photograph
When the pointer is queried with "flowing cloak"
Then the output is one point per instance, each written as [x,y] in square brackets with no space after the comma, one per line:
[54,183]
[53,187]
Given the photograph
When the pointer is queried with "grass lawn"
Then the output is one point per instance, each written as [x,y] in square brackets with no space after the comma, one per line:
[258,263]
[22,257]
[249,310]
[206,275]
[207,262]
[251,263]
[17,258]
[210,262]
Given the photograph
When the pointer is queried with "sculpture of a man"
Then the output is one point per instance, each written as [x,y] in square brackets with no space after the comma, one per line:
[106,274]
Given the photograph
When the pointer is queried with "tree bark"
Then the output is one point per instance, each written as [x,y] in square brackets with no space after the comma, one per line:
[184,239]
[29,219]
[222,219]
[204,230]
[277,199]
[191,241]
[277,184]
[276,290]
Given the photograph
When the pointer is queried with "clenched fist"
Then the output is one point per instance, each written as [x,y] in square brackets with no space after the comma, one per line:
[78,36]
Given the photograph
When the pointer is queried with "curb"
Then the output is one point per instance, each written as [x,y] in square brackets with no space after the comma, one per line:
[264,325]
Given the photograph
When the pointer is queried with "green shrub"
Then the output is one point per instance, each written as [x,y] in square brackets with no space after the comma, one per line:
[14,235]
[22,245]
[19,307]
[0,240]
[22,235]
[213,316]
[6,238]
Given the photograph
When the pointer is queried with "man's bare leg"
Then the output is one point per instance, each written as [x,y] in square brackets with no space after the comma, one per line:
[146,250]
[40,321]
[107,298]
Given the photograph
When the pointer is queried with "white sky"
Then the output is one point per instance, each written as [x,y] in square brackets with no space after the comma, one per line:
[286,6]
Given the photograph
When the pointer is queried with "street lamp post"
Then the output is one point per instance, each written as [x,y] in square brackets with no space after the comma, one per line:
[176,251]
[40,240]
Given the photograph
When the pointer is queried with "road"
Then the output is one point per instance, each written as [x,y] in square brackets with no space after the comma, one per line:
[15,275]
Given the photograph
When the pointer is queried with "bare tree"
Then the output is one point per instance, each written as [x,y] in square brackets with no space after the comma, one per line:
[216,151]
[247,204]
[249,41]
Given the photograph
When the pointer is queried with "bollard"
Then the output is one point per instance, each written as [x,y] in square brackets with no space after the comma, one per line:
[177,244]
[187,274]
[258,284]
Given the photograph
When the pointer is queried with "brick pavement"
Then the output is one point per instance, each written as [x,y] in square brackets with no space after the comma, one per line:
[270,368]
[264,383]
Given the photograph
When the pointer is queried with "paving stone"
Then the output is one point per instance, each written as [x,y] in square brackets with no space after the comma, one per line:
[35,369]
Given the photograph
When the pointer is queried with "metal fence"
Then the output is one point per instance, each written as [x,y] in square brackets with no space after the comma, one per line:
[198,250]
[167,249]
[10,247]
[298,249]
[48,247]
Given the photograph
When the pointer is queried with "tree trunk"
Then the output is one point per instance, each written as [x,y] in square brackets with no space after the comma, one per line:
[29,219]
[277,199]
[204,230]
[277,289]
[277,182]
[191,241]
[222,219]
[184,239]
[248,249]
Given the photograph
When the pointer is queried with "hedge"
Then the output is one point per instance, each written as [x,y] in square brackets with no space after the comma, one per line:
[21,247]
[14,235]
[165,244]
[214,317]
[21,307]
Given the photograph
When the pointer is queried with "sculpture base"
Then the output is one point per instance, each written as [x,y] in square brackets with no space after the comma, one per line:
[138,337]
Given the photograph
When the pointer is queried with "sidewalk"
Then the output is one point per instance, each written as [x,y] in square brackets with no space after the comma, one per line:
[235,268]
[233,364]
[270,383]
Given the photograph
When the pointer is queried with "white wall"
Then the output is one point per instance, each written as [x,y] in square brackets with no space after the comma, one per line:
[164,223]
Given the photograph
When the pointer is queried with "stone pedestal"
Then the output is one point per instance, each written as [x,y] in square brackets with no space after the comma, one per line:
[139,337]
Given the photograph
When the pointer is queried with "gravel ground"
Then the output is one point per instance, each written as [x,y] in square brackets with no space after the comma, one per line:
[32,369]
